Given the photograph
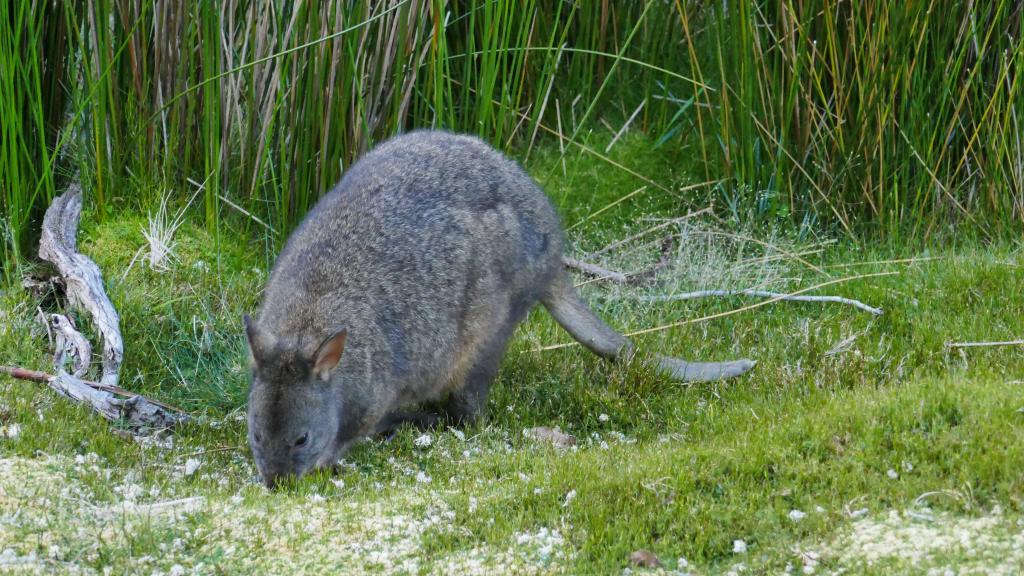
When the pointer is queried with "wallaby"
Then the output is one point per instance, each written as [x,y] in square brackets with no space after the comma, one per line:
[402,286]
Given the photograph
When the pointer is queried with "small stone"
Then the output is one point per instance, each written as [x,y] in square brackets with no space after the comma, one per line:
[644,559]
[556,437]
[892,474]
[602,418]
[797,515]
[739,547]
[191,465]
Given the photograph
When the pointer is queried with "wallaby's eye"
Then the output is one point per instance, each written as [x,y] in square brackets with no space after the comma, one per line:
[302,439]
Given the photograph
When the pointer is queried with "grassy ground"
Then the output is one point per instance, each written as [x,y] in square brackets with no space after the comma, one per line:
[860,444]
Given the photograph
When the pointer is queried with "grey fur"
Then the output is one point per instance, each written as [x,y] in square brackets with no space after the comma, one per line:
[424,258]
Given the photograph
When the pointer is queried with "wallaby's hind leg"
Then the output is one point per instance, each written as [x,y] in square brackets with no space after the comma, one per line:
[465,403]
[563,302]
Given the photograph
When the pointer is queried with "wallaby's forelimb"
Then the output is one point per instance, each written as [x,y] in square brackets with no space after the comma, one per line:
[564,303]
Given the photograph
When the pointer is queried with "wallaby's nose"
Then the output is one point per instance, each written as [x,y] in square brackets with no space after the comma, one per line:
[273,479]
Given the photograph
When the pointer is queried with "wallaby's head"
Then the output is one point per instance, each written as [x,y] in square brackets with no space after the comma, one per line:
[294,412]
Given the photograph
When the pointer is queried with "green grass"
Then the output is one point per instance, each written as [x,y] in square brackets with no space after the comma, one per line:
[819,427]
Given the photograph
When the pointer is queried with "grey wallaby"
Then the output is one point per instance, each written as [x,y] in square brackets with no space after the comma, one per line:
[402,286]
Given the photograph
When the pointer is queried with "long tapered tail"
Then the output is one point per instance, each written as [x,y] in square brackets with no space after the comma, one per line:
[564,303]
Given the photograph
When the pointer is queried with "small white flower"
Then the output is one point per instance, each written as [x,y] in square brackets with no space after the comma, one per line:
[797,515]
[569,498]
[316,498]
[13,431]
[472,504]
[422,477]
[524,477]
[537,491]
[423,441]
[892,474]
[682,563]
[602,417]
[819,510]
[459,434]
[604,445]
[739,547]
[858,513]
[191,465]
[338,483]
[177,570]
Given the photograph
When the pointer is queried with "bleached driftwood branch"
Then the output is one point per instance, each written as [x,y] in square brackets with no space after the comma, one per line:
[68,341]
[112,402]
[82,278]
[761,294]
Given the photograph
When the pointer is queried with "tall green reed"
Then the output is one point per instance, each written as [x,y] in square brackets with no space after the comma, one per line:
[900,114]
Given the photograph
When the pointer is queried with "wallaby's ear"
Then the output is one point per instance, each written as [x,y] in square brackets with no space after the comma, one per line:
[260,341]
[328,354]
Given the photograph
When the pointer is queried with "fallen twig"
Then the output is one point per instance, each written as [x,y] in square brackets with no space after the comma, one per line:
[984,344]
[760,294]
[137,411]
[594,270]
[599,273]
[654,228]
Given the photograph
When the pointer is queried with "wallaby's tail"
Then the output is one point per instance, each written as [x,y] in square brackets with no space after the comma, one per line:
[563,302]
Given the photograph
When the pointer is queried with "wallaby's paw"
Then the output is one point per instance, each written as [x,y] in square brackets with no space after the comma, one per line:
[702,371]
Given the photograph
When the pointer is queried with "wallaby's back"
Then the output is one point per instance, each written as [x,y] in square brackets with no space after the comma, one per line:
[428,242]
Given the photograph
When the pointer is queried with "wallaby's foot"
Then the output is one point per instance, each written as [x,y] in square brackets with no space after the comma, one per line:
[390,424]
[700,371]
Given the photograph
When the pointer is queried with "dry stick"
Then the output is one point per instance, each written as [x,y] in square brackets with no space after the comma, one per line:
[730,312]
[601,274]
[654,228]
[625,126]
[897,261]
[763,244]
[81,275]
[608,206]
[761,294]
[984,344]
[594,270]
[138,411]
